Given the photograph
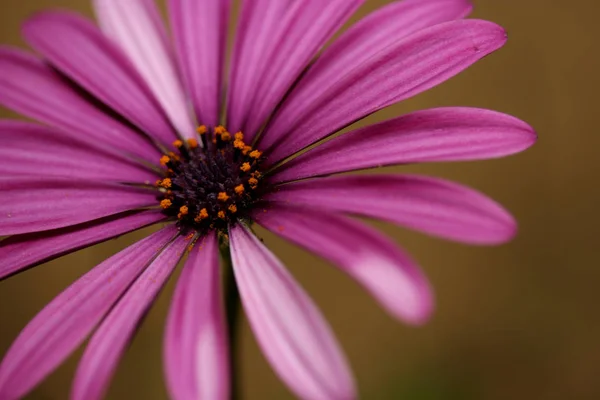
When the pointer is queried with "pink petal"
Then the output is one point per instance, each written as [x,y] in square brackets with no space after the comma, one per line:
[29,149]
[289,328]
[378,30]
[108,344]
[136,26]
[410,66]
[434,206]
[66,321]
[200,33]
[196,350]
[38,204]
[443,134]
[303,30]
[258,24]
[362,252]
[78,49]
[32,88]
[22,251]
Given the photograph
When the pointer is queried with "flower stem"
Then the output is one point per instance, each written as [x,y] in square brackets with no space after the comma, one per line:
[232,309]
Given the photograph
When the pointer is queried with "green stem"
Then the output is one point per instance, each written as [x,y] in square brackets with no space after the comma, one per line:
[232,310]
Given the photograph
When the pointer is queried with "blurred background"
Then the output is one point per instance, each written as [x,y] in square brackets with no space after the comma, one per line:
[518,321]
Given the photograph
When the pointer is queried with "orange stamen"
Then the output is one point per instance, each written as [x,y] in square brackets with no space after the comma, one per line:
[223,196]
[166,203]
[164,160]
[193,143]
[245,167]
[239,189]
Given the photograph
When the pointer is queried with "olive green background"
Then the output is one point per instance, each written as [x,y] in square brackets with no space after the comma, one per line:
[518,321]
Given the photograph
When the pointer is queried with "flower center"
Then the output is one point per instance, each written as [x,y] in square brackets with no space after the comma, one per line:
[211,185]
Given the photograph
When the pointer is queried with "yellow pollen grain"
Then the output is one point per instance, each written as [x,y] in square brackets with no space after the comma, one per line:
[239,144]
[221,214]
[192,143]
[245,167]
[239,136]
[253,182]
[166,203]
[178,143]
[203,214]
[166,183]
[183,210]
[164,160]
[201,129]
[223,196]
[232,208]
[255,154]
[239,189]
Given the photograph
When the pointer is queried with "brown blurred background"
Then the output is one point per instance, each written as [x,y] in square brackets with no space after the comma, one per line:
[518,321]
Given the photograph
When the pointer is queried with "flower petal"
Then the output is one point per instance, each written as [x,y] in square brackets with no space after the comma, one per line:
[289,328]
[78,49]
[35,204]
[22,251]
[196,350]
[372,34]
[304,29]
[66,321]
[410,66]
[362,252]
[442,134]
[137,27]
[200,32]
[108,344]
[32,88]
[258,24]
[29,149]
[434,206]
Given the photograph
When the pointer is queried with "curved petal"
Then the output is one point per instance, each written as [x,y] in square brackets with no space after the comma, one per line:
[200,33]
[410,66]
[434,206]
[196,350]
[372,34]
[22,251]
[29,149]
[289,328]
[108,343]
[390,275]
[442,134]
[304,28]
[79,50]
[137,27]
[34,204]
[32,88]
[66,321]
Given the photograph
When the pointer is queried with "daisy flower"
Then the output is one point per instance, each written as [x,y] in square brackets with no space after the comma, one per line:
[137,129]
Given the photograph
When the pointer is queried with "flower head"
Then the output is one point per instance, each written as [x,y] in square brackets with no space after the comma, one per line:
[134,134]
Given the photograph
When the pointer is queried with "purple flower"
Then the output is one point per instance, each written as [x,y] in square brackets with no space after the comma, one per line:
[132,138]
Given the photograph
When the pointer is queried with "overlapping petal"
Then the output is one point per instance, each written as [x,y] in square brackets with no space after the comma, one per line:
[79,49]
[22,251]
[372,34]
[32,88]
[291,331]
[196,350]
[200,34]
[411,65]
[66,321]
[108,343]
[136,25]
[303,30]
[33,150]
[366,255]
[442,134]
[36,204]
[434,206]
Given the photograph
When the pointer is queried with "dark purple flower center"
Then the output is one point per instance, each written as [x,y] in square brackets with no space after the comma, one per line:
[211,183]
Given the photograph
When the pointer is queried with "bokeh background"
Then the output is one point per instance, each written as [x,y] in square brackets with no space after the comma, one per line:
[518,321]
